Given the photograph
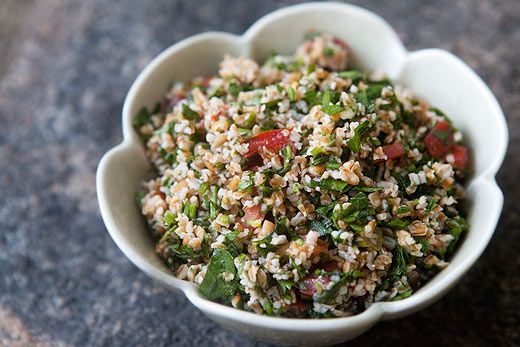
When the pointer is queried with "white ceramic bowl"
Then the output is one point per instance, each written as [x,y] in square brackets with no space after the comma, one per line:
[435,75]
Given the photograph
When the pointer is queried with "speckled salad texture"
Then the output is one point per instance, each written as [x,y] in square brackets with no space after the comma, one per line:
[302,187]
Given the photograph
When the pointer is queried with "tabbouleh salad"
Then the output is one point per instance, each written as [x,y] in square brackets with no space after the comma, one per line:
[301,187]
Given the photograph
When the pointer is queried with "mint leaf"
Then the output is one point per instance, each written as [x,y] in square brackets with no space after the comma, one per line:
[247,183]
[287,155]
[322,227]
[234,89]
[291,93]
[367,189]
[354,75]
[331,184]
[358,210]
[332,109]
[214,286]
[214,207]
[169,219]
[325,100]
[354,143]
[188,113]
[397,224]
[141,118]
[311,98]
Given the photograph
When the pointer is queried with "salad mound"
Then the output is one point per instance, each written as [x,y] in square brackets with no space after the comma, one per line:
[302,187]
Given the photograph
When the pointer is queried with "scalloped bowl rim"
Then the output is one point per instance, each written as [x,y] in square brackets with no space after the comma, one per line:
[377,311]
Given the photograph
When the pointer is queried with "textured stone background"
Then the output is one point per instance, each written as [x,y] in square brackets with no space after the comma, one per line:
[65,67]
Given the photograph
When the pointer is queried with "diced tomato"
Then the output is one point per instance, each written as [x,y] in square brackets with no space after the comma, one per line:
[330,266]
[442,126]
[394,151]
[175,99]
[436,148]
[273,140]
[437,139]
[206,81]
[460,153]
[299,305]
[340,42]
[321,247]
[309,288]
[252,216]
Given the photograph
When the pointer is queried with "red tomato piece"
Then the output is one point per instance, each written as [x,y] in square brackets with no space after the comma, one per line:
[252,215]
[299,305]
[436,148]
[206,81]
[273,140]
[442,126]
[309,287]
[330,266]
[340,42]
[460,153]
[437,139]
[175,99]
[321,247]
[394,151]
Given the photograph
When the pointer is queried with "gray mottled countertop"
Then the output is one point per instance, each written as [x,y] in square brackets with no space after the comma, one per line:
[65,67]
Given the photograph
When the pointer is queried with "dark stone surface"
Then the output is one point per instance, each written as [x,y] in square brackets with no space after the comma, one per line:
[65,67]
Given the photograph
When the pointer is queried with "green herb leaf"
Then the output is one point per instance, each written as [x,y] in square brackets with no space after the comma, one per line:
[234,89]
[311,69]
[357,212]
[214,286]
[331,184]
[272,105]
[282,229]
[325,100]
[458,227]
[233,246]
[354,75]
[325,210]
[291,93]
[286,285]
[247,183]
[249,121]
[184,253]
[332,109]
[324,226]
[190,210]
[397,223]
[333,164]
[168,219]
[402,209]
[368,95]
[141,118]
[328,52]
[330,294]
[287,155]
[403,295]
[213,202]
[316,151]
[423,241]
[399,267]
[311,35]
[188,113]
[139,196]
[311,98]
[264,245]
[367,189]
[431,205]
[354,143]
